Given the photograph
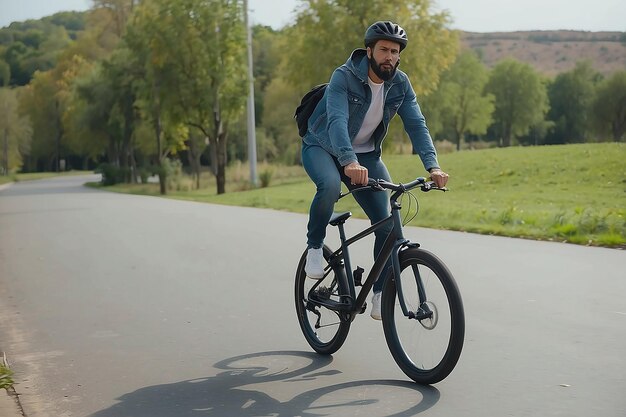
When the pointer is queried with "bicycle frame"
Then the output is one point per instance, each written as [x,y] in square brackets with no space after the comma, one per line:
[392,246]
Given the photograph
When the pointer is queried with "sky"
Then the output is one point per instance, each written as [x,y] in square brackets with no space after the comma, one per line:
[467,15]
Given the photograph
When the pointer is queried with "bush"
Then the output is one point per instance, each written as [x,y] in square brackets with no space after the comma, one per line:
[266,177]
[112,174]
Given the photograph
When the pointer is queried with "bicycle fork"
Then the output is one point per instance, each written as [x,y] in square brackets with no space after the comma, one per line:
[423,312]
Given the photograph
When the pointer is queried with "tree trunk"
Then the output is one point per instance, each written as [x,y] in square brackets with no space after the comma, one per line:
[219,147]
[506,136]
[221,163]
[162,179]
[5,152]
[457,138]
[193,156]
[162,172]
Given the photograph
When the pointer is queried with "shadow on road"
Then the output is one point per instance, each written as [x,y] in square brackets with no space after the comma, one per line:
[237,392]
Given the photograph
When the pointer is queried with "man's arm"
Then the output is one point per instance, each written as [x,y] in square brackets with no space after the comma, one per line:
[415,126]
[337,112]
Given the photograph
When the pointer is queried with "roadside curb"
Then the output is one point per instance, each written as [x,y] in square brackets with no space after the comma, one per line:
[9,405]
[7,185]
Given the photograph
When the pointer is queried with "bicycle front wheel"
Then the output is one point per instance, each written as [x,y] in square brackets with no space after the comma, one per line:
[323,328]
[426,344]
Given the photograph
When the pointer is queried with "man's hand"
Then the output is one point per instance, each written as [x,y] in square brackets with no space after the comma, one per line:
[356,173]
[439,177]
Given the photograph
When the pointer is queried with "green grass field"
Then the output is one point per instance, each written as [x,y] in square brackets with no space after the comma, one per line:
[568,193]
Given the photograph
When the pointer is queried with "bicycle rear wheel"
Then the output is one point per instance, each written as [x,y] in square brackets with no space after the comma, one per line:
[322,327]
[428,347]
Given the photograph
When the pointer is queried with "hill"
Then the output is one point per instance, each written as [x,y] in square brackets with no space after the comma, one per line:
[551,52]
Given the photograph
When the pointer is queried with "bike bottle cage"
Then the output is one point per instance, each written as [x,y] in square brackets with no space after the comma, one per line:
[339,218]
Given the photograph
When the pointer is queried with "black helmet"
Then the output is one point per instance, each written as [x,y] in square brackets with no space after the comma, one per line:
[388,31]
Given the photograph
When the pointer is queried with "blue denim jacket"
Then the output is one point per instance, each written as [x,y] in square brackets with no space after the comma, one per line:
[338,117]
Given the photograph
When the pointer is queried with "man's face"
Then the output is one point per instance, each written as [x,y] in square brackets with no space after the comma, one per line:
[384,59]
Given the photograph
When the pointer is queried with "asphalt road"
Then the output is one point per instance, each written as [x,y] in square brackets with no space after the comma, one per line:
[117,306]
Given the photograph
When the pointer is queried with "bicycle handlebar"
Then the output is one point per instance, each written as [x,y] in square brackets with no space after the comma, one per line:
[381,185]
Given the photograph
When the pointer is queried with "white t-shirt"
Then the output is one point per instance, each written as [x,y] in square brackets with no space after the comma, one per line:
[363,141]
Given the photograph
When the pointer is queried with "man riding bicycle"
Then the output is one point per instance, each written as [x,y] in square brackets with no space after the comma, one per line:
[345,134]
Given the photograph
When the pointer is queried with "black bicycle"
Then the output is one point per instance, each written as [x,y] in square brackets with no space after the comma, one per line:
[421,306]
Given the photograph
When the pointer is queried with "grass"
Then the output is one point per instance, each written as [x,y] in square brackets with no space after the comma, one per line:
[568,193]
[4,179]
[6,377]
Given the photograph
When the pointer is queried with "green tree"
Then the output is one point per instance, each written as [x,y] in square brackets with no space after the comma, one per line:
[15,132]
[5,73]
[327,31]
[521,100]
[41,102]
[571,95]
[266,50]
[279,140]
[463,106]
[609,106]
[195,64]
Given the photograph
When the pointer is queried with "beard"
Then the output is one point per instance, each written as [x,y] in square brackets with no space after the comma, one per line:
[383,74]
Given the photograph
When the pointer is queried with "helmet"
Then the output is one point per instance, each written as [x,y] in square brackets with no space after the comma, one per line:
[388,31]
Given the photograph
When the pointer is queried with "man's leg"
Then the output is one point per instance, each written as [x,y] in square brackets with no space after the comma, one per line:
[321,168]
[376,204]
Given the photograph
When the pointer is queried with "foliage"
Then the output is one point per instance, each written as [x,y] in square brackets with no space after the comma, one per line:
[279,125]
[521,100]
[609,106]
[6,377]
[112,174]
[34,45]
[194,55]
[15,132]
[460,105]
[327,31]
[571,94]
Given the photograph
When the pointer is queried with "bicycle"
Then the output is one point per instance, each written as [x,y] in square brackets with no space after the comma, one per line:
[421,306]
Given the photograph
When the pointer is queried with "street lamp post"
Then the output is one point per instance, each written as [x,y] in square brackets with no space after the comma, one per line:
[251,121]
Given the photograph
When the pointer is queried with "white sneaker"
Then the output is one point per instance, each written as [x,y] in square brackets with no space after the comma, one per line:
[314,266]
[376,306]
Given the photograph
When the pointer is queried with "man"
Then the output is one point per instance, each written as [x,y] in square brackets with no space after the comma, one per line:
[345,133]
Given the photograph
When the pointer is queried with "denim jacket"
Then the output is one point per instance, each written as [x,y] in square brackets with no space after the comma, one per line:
[338,117]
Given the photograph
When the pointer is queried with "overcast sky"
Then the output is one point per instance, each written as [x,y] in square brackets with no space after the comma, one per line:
[468,15]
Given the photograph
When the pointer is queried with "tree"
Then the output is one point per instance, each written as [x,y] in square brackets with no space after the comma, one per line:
[609,106]
[463,106]
[327,31]
[15,132]
[571,95]
[195,59]
[40,101]
[521,100]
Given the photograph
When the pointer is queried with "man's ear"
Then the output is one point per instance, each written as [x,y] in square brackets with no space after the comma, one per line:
[369,52]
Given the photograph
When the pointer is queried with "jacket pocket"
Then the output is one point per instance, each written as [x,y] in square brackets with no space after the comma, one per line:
[355,103]
[392,105]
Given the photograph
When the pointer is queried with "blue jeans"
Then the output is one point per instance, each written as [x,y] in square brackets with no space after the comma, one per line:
[327,174]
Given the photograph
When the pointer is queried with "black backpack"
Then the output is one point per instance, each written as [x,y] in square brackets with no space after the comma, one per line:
[306,107]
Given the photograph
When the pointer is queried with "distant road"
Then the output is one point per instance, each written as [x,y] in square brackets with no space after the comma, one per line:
[116,305]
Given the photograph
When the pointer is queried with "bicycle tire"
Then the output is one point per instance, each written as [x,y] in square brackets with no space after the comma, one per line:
[427,351]
[331,336]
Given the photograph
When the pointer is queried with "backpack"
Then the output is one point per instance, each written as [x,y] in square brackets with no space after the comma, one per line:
[306,107]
